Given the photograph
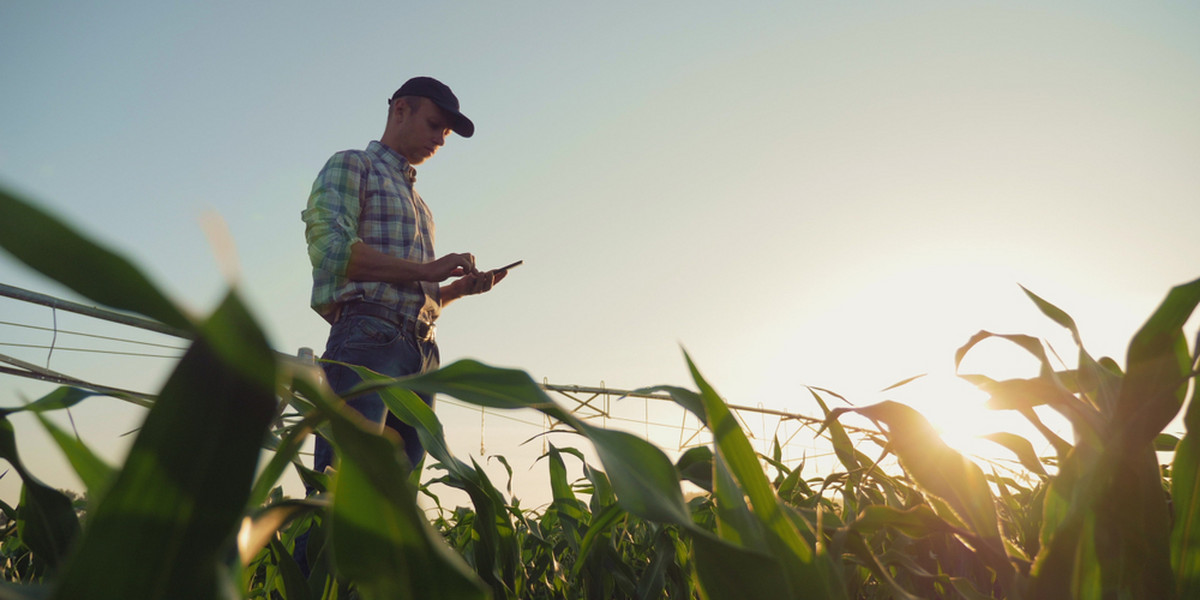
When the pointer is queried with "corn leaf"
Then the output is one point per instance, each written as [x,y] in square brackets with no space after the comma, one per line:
[1055,313]
[286,453]
[1021,448]
[809,572]
[696,466]
[63,397]
[46,521]
[946,474]
[1157,368]
[92,471]
[1185,494]
[571,515]
[858,547]
[483,385]
[728,572]
[1165,442]
[736,522]
[496,557]
[380,538]
[602,492]
[644,479]
[597,527]
[918,521]
[295,587]
[166,524]
[1185,491]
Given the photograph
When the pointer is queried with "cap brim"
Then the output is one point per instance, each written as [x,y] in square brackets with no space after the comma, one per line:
[459,123]
[462,125]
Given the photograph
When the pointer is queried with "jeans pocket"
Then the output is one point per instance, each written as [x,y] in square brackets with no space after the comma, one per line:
[371,333]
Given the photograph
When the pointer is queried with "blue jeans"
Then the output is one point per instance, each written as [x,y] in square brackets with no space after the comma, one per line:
[383,347]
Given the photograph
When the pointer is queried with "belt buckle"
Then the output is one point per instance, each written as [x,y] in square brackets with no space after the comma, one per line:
[425,331]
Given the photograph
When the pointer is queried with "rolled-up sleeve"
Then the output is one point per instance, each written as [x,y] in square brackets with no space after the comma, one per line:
[331,218]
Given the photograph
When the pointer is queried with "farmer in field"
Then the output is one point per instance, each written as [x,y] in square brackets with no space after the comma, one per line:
[376,278]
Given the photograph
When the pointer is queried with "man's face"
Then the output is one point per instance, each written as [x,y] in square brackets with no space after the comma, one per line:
[422,132]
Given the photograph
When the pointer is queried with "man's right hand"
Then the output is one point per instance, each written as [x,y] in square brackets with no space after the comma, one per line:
[369,264]
[450,265]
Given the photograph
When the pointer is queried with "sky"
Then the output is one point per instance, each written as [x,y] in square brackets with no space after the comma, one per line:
[793,193]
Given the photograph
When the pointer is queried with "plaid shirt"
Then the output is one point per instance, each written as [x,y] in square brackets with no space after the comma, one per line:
[368,196]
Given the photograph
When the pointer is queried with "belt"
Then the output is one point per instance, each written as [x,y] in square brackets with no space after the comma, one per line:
[423,331]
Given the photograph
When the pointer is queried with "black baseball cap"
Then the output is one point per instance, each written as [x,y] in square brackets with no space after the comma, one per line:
[440,94]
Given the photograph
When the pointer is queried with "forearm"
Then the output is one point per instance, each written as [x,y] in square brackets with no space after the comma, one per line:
[368,264]
[451,292]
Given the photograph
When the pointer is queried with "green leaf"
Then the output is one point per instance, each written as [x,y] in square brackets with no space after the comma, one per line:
[571,515]
[809,572]
[1158,366]
[599,526]
[1185,495]
[63,397]
[859,548]
[1097,381]
[496,556]
[1165,442]
[645,480]
[46,520]
[92,471]
[653,582]
[1185,492]
[295,587]
[285,454]
[1021,448]
[943,472]
[736,522]
[1107,502]
[684,397]
[696,466]
[1055,313]
[728,572]
[483,385]
[1023,395]
[843,447]
[381,539]
[1031,345]
[916,522]
[602,492]
[166,525]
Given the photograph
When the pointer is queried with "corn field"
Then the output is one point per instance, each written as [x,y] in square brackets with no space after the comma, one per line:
[193,514]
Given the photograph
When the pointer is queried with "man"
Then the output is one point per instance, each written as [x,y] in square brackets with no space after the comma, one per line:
[376,278]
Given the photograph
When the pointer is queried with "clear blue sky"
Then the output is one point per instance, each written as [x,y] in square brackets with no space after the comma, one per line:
[796,192]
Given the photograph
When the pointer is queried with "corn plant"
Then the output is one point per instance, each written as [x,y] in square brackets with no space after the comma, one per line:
[1105,524]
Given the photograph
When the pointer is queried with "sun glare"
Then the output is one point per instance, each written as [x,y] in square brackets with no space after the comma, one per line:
[955,408]
[958,412]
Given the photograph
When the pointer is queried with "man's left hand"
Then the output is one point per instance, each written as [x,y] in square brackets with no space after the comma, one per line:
[478,283]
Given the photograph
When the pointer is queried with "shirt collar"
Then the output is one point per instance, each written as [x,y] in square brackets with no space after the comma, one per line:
[393,159]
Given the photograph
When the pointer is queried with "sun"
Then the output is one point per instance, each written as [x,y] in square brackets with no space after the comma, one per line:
[958,411]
